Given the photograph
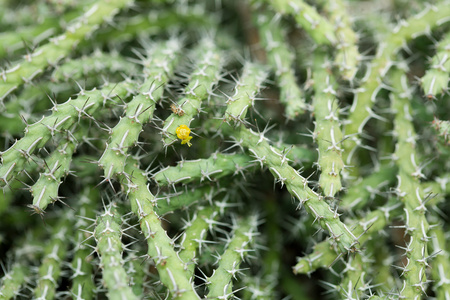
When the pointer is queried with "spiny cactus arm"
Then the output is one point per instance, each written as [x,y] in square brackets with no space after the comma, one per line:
[28,105]
[409,190]
[8,194]
[319,28]
[324,254]
[55,253]
[108,235]
[261,288]
[58,6]
[63,117]
[361,192]
[435,80]
[361,110]
[136,268]
[57,165]
[10,118]
[297,185]
[298,154]
[14,40]
[347,57]
[281,60]
[444,183]
[357,281]
[60,46]
[353,285]
[238,246]
[272,273]
[172,271]
[246,88]
[194,239]
[13,280]
[49,25]
[155,22]
[327,126]
[27,248]
[441,262]
[181,200]
[216,166]
[91,66]
[443,129]
[158,68]
[11,14]
[436,190]
[83,286]
[201,82]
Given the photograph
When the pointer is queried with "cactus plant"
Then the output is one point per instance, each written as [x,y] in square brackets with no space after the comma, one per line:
[259,149]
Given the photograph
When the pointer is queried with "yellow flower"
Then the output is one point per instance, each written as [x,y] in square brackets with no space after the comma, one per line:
[183,134]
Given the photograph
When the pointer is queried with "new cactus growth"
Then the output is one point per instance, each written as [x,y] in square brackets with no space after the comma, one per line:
[260,149]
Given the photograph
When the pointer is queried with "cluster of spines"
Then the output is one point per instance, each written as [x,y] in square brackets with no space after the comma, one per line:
[158,68]
[327,126]
[206,75]
[59,46]
[281,60]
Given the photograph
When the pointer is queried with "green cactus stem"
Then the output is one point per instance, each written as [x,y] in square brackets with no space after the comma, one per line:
[59,46]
